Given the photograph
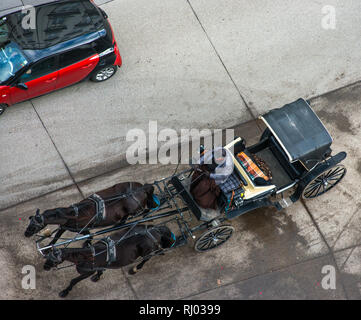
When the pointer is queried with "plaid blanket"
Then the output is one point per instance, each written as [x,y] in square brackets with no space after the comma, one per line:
[232,183]
[251,167]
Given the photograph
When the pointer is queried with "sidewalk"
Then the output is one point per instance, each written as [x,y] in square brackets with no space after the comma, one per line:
[271,255]
[187,64]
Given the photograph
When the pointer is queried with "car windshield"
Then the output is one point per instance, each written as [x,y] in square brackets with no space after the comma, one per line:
[12,60]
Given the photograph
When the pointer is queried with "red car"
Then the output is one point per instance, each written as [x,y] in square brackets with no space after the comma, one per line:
[72,41]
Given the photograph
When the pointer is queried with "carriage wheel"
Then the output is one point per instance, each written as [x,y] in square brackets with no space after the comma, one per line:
[213,238]
[324,182]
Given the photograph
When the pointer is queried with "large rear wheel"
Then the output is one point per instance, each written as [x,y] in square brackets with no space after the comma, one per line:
[324,182]
[213,238]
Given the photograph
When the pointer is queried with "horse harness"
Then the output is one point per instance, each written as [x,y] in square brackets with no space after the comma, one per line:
[100,212]
[110,249]
[111,245]
[99,202]
[136,200]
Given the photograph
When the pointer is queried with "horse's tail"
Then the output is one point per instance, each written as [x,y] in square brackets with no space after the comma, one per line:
[149,190]
[168,239]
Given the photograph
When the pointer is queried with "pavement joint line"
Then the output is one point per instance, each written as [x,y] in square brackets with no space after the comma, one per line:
[37,197]
[328,246]
[334,90]
[260,275]
[125,166]
[129,284]
[57,150]
[86,180]
[345,226]
[223,64]
[348,257]
[349,247]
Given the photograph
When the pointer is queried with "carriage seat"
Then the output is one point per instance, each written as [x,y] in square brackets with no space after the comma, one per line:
[249,164]
[253,170]
[253,179]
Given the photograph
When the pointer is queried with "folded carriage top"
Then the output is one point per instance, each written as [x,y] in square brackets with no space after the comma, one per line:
[299,131]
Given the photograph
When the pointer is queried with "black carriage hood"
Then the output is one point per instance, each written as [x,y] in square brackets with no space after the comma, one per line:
[299,131]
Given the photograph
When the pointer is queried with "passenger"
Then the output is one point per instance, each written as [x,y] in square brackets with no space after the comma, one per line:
[219,163]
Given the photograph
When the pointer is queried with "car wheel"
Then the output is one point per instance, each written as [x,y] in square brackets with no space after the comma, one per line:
[104,74]
[3,107]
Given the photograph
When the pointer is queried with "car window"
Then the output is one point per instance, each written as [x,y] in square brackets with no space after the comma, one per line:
[40,69]
[12,60]
[95,16]
[55,23]
[75,55]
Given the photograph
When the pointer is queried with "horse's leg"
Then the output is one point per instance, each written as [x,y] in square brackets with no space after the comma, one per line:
[57,236]
[135,269]
[97,276]
[73,282]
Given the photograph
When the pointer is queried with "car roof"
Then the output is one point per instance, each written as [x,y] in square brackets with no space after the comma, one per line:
[36,55]
[11,6]
[54,23]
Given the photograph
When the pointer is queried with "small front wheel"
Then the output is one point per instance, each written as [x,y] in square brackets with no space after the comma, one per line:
[104,73]
[3,107]
[213,238]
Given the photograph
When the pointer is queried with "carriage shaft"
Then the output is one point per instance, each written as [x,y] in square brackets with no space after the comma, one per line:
[87,236]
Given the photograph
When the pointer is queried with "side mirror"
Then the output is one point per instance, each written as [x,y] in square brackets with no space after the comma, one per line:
[22,86]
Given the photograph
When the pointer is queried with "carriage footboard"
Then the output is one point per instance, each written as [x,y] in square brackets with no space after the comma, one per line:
[187,197]
[248,207]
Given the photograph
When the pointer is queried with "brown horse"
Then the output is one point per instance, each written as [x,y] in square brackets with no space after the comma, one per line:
[134,199]
[130,244]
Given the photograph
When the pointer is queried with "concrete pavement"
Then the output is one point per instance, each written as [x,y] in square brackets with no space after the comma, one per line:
[277,51]
[187,64]
[272,255]
[195,64]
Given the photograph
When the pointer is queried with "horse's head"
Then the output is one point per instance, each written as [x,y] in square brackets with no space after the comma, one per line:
[53,259]
[168,239]
[36,224]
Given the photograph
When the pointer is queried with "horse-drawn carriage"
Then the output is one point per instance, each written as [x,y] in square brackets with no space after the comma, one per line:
[291,160]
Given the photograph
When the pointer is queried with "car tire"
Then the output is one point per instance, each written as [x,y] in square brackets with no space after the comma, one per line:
[3,107]
[104,74]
